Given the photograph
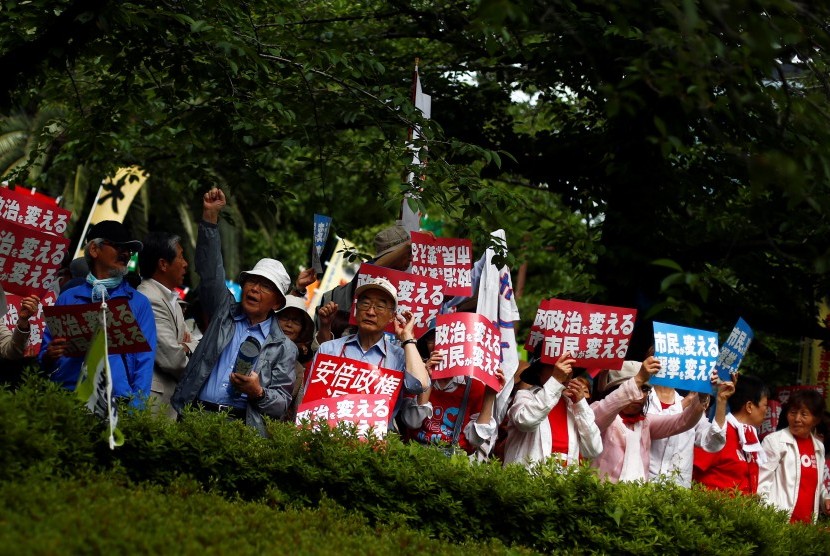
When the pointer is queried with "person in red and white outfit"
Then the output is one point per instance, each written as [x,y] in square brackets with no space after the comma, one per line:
[736,464]
[550,417]
[792,477]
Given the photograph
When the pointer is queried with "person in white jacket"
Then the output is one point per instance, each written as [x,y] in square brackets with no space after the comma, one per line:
[672,457]
[550,417]
[792,478]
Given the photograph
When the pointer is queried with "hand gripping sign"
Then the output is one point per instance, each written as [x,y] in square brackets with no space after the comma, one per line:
[78,324]
[36,323]
[446,259]
[596,335]
[687,356]
[470,345]
[421,295]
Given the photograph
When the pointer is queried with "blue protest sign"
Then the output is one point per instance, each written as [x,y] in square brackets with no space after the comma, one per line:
[733,350]
[322,224]
[687,355]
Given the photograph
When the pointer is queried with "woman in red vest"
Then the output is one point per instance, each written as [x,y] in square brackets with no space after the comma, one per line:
[792,477]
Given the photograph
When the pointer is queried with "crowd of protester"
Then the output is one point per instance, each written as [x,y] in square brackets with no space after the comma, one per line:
[251,358]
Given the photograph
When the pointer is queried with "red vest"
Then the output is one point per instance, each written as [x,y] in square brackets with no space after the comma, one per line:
[445,406]
[730,468]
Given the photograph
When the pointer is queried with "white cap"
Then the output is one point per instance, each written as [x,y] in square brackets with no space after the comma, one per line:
[381,284]
[273,271]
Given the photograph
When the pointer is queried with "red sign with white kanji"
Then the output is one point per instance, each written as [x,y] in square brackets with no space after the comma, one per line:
[78,324]
[334,376]
[36,323]
[421,295]
[470,346]
[365,411]
[29,260]
[596,335]
[446,259]
[37,212]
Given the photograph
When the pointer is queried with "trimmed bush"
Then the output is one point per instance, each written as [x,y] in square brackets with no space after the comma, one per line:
[99,515]
[410,486]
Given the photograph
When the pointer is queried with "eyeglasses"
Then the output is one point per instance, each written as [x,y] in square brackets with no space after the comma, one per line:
[365,305]
[118,248]
[263,284]
[293,320]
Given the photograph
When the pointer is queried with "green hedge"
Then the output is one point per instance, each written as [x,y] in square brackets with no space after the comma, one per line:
[99,515]
[406,486]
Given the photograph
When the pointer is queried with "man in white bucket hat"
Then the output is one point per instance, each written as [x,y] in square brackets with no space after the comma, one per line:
[244,364]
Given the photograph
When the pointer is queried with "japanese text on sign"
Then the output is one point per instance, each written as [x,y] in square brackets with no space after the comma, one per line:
[29,259]
[78,324]
[596,335]
[367,412]
[334,376]
[445,259]
[470,346]
[687,356]
[733,350]
[31,211]
[36,323]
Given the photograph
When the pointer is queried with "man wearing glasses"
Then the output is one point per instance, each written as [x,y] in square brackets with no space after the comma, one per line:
[108,251]
[376,304]
[244,363]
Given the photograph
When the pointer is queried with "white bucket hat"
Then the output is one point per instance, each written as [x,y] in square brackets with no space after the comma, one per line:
[381,284]
[273,271]
[629,369]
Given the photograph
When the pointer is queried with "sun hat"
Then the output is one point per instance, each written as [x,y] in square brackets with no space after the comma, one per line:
[615,378]
[273,271]
[390,239]
[294,302]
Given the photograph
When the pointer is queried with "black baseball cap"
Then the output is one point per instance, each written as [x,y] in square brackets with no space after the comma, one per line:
[115,233]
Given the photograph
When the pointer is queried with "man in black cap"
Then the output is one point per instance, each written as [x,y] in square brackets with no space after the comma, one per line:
[108,251]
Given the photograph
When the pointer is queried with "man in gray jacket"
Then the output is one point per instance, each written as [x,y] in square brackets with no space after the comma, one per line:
[244,364]
[163,268]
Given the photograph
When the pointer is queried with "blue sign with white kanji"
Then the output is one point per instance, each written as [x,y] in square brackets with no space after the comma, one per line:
[733,350]
[687,356]
[322,224]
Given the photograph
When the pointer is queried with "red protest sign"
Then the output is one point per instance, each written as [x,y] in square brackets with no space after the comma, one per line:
[370,411]
[35,211]
[783,393]
[446,259]
[36,323]
[470,346]
[771,419]
[597,335]
[421,295]
[78,324]
[334,376]
[29,259]
[537,333]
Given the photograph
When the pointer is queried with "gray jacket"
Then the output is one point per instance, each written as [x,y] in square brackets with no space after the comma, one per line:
[275,364]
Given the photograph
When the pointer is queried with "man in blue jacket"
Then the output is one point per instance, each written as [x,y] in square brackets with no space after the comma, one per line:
[107,252]
[214,378]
